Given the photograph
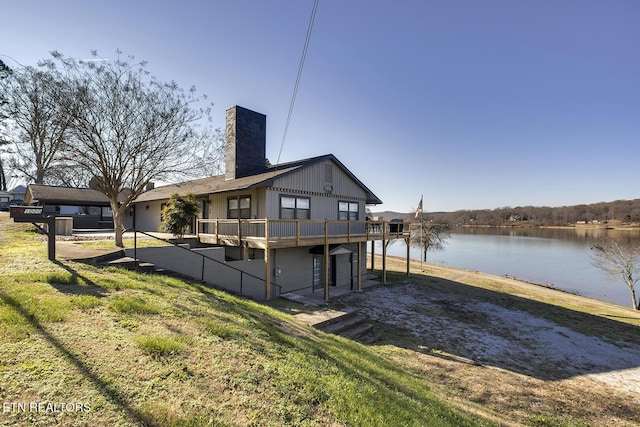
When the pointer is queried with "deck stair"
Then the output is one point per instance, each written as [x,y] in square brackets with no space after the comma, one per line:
[347,323]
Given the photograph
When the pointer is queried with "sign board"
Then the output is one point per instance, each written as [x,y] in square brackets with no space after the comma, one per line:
[27,214]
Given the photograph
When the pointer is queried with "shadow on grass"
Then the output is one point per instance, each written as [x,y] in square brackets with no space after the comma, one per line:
[71,285]
[107,390]
[486,327]
[361,379]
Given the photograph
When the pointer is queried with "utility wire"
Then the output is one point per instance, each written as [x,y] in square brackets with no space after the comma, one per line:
[300,67]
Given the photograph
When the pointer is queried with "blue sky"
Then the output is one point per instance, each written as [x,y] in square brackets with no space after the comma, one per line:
[473,104]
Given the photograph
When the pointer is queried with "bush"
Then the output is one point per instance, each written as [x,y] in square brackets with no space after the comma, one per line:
[178,215]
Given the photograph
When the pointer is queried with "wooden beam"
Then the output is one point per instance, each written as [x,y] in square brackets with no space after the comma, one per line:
[267,265]
[326,261]
[359,273]
[384,261]
[384,254]
[408,256]
[373,255]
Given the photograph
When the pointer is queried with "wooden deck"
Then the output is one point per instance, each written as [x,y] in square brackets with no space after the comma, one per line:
[285,233]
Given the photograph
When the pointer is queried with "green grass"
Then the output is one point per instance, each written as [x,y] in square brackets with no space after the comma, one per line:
[150,350]
[161,346]
[132,305]
[128,243]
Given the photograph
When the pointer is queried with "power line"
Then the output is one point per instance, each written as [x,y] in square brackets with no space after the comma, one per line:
[300,67]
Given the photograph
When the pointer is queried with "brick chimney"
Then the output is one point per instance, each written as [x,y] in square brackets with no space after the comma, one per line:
[245,143]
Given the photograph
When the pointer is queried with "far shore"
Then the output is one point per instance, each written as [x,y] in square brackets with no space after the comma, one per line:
[620,227]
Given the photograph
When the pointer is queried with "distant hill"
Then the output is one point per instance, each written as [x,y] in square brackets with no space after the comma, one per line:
[388,215]
[618,212]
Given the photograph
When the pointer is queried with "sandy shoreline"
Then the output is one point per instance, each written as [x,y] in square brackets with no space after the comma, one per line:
[519,348]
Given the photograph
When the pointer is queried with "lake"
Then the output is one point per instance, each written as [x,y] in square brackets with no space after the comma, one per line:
[556,257]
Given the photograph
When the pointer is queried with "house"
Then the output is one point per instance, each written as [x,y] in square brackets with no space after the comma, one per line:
[18,192]
[5,196]
[89,208]
[298,225]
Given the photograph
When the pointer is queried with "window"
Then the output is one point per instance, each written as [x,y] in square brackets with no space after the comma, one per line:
[348,211]
[239,207]
[294,207]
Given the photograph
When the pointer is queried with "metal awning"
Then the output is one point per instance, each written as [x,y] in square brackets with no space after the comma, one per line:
[333,250]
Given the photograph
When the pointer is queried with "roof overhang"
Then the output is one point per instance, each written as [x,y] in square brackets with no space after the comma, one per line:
[333,250]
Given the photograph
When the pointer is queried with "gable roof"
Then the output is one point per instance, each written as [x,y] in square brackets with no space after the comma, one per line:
[20,189]
[218,183]
[48,194]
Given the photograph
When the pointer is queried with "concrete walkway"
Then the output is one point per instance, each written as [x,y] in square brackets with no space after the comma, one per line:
[74,251]
[316,298]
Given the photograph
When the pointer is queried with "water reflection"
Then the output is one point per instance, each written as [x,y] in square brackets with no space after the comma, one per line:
[550,256]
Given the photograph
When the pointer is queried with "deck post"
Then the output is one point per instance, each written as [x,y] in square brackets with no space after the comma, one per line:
[326,260]
[359,273]
[240,238]
[267,262]
[373,255]
[408,256]
[384,254]
[384,261]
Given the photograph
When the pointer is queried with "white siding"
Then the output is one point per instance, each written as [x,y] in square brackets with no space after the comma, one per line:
[148,215]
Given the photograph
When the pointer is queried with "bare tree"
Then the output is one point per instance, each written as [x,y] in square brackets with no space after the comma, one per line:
[128,129]
[619,261]
[5,72]
[429,236]
[35,123]
[209,159]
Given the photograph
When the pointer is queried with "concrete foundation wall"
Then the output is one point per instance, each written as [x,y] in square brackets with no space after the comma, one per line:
[291,268]
[191,264]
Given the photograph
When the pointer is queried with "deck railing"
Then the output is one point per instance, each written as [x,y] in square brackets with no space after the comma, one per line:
[296,232]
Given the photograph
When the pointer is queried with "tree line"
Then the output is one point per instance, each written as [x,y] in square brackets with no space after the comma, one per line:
[620,211]
[105,124]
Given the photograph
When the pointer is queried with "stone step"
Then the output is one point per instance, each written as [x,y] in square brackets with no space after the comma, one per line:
[130,264]
[329,317]
[357,331]
[369,338]
[343,323]
[346,322]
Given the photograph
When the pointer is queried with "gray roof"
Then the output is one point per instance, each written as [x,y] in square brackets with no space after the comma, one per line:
[218,184]
[52,195]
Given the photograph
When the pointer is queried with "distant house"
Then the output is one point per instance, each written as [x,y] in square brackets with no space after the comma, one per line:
[89,208]
[18,193]
[5,197]
[303,221]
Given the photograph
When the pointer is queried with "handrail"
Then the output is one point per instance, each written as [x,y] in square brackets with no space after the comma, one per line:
[298,230]
[224,264]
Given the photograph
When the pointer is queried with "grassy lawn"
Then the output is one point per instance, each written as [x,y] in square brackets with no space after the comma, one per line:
[103,346]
